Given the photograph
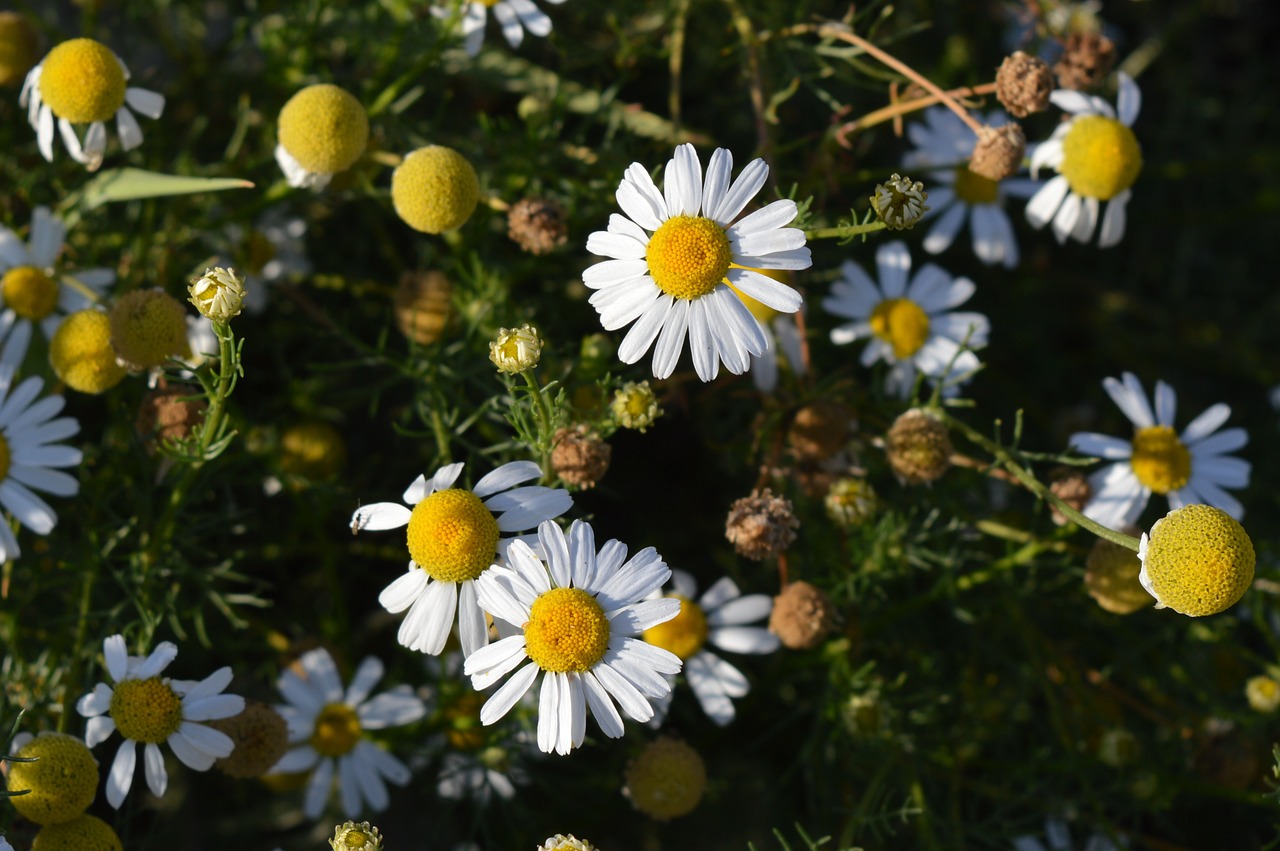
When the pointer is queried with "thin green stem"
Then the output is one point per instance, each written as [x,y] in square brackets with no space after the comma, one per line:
[72,686]
[544,421]
[843,231]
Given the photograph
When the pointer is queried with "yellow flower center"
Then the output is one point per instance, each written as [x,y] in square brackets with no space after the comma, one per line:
[1198,561]
[435,189]
[974,188]
[567,631]
[1100,157]
[82,833]
[82,81]
[462,718]
[337,730]
[30,292]
[667,779]
[1160,461]
[81,352]
[688,256]
[452,536]
[684,634]
[146,710]
[148,327]
[901,323]
[324,128]
[62,782]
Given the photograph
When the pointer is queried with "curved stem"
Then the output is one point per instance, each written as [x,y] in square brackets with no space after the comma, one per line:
[903,107]
[845,231]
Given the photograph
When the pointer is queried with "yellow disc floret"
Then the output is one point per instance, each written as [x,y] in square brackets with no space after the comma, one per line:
[667,779]
[337,730]
[435,189]
[684,634]
[82,81]
[146,710]
[324,128]
[452,535]
[974,188]
[18,41]
[148,327]
[1197,560]
[902,324]
[81,352]
[1100,157]
[62,781]
[1159,459]
[29,292]
[82,833]
[567,631]
[688,256]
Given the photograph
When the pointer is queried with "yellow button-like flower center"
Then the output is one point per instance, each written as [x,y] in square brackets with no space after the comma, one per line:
[148,327]
[29,292]
[81,352]
[974,188]
[1100,157]
[83,832]
[902,324]
[1198,561]
[684,634]
[688,256]
[435,189]
[1160,461]
[667,779]
[337,730]
[567,631]
[146,710]
[82,81]
[62,781]
[324,128]
[462,717]
[452,536]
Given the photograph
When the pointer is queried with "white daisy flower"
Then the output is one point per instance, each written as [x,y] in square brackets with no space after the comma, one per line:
[81,81]
[1192,467]
[329,725]
[580,615]
[29,449]
[454,535]
[957,195]
[33,288]
[674,255]
[1097,158]
[514,16]
[910,325]
[149,709]
[719,617]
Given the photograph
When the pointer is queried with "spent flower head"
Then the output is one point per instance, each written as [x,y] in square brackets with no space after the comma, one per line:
[515,350]
[218,294]
[899,202]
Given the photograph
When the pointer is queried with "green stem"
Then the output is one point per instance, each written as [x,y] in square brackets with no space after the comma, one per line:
[845,231]
[544,421]
[72,686]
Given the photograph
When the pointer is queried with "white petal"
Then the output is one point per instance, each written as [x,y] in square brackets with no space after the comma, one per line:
[1100,445]
[322,673]
[645,331]
[744,639]
[393,708]
[149,103]
[120,778]
[209,686]
[318,788]
[98,729]
[766,290]
[740,192]
[380,516]
[472,631]
[719,173]
[893,263]
[1044,205]
[297,759]
[1113,221]
[116,657]
[944,231]
[768,218]
[95,702]
[1129,99]
[683,182]
[505,697]
[507,476]
[404,591]
[157,779]
[213,707]
[165,652]
[670,342]
[349,786]
[128,128]
[1131,399]
[213,742]
[602,708]
[366,677]
[752,607]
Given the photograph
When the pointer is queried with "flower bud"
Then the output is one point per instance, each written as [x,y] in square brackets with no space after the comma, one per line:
[355,836]
[635,406]
[899,202]
[516,349]
[218,294]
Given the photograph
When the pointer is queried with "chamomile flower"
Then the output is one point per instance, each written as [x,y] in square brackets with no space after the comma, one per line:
[910,325]
[328,726]
[1097,158]
[719,617]
[82,82]
[675,254]
[580,615]
[149,709]
[30,451]
[956,195]
[1191,467]
[454,535]
[33,288]
[513,16]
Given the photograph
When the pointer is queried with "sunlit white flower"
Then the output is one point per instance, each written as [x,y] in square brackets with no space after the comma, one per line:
[1097,158]
[33,288]
[328,726]
[81,81]
[514,16]
[675,254]
[454,535]
[910,325]
[579,616]
[149,709]
[1192,467]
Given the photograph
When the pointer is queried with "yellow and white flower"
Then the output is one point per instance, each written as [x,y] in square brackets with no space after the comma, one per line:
[328,725]
[33,288]
[1097,158]
[719,617]
[81,81]
[513,16]
[675,254]
[454,535]
[910,325]
[579,616]
[1191,467]
[149,709]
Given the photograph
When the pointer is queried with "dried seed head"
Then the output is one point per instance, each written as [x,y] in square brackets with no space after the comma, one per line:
[169,414]
[761,525]
[1087,58]
[819,430]
[802,616]
[261,737]
[1023,84]
[579,457]
[998,152]
[1072,487]
[918,447]
[537,225]
[421,305]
